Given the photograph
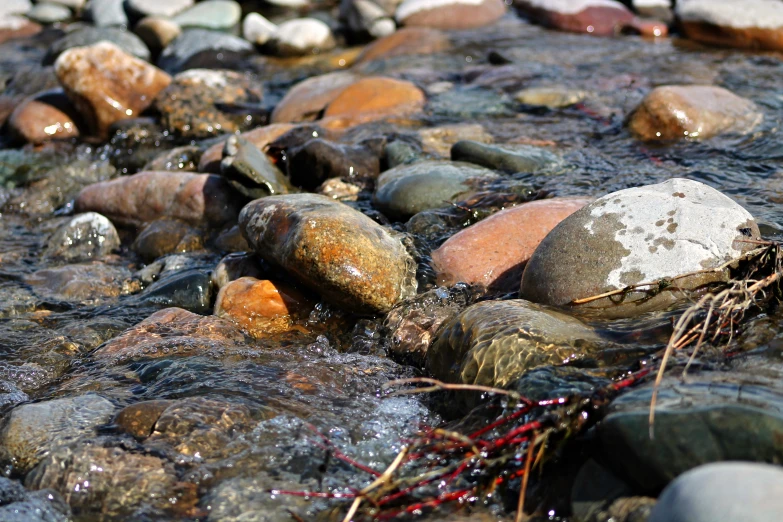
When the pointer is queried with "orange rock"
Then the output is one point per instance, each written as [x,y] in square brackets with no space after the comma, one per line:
[453,15]
[493,252]
[305,100]
[408,40]
[261,306]
[260,137]
[46,116]
[741,37]
[373,99]
[107,84]
[750,24]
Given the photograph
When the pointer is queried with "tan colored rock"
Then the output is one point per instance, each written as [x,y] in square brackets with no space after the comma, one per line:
[450,15]
[493,252]
[260,137]
[692,111]
[107,84]
[373,99]
[261,306]
[46,116]
[139,419]
[407,40]
[439,140]
[156,32]
[305,100]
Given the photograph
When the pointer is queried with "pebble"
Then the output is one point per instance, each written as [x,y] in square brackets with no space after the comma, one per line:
[157,33]
[86,282]
[84,237]
[31,431]
[348,258]
[692,111]
[596,17]
[49,13]
[236,265]
[438,141]
[371,99]
[107,13]
[405,41]
[308,98]
[197,199]
[260,137]
[261,307]
[189,289]
[509,158]
[406,190]
[12,27]
[494,251]
[169,8]
[75,5]
[218,15]
[15,7]
[47,116]
[318,160]
[637,235]
[202,48]
[449,14]
[365,17]
[250,172]
[138,420]
[750,24]
[257,30]
[88,36]
[95,78]
[192,105]
[301,36]
[554,97]
[167,236]
[744,491]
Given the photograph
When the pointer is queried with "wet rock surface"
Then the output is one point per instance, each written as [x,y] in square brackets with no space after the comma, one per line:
[752,25]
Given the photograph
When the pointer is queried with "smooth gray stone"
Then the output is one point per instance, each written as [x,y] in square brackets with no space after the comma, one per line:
[218,15]
[107,13]
[508,158]
[126,41]
[200,48]
[49,13]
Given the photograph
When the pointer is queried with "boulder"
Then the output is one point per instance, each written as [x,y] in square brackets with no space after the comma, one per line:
[750,24]
[450,14]
[641,235]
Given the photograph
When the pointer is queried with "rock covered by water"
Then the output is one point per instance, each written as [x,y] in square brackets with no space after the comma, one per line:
[84,237]
[38,506]
[337,251]
[639,235]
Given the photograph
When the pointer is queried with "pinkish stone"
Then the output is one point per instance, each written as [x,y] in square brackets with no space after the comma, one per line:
[597,17]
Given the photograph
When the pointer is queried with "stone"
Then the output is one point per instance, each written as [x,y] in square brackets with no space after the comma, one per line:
[366,18]
[639,235]
[47,116]
[218,15]
[439,141]
[157,33]
[340,190]
[86,282]
[32,431]
[371,99]
[197,103]
[494,251]
[39,506]
[405,41]
[654,9]
[84,237]
[196,199]
[301,36]
[307,99]
[554,97]
[15,7]
[89,36]
[596,17]
[319,160]
[723,491]
[75,5]
[250,171]
[231,240]
[261,307]
[257,30]
[493,343]
[750,24]
[25,82]
[236,265]
[167,236]
[450,14]
[167,9]
[13,27]
[347,258]
[49,13]
[692,111]
[187,289]
[261,137]
[509,158]
[179,158]
[138,420]
[95,78]
[107,13]
[406,190]
[202,48]
[173,332]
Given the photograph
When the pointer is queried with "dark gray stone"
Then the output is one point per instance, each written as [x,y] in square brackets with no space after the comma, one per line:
[201,48]
[508,158]
[250,171]
[319,160]
[126,41]
[189,289]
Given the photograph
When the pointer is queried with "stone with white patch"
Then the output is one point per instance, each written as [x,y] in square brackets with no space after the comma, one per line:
[257,29]
[750,24]
[596,17]
[301,36]
[639,235]
[449,14]
[366,17]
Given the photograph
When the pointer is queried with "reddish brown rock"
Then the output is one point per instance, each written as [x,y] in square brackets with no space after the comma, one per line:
[12,27]
[46,116]
[261,306]
[596,17]
[305,100]
[692,111]
[407,40]
[107,84]
[493,252]
[450,15]
[260,137]
[139,419]
[196,199]
[750,24]
[373,99]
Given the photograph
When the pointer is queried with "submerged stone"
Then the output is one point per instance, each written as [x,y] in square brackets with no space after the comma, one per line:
[167,236]
[508,158]
[86,236]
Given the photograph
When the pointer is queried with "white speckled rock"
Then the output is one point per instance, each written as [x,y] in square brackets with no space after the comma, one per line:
[754,24]
[257,29]
[730,491]
[638,235]
[301,36]
[449,14]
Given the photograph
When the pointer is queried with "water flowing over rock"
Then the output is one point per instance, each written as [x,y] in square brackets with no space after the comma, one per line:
[639,235]
[86,236]
[337,251]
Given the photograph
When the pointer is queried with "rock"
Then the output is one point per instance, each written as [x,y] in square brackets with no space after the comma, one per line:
[508,158]
[38,506]
[11,491]
[555,97]
[179,158]
[654,9]
[301,36]
[409,189]
[371,99]
[405,41]
[25,82]
[644,234]
[12,27]
[455,14]
[257,30]
[196,199]
[260,137]
[49,13]
[15,7]
[494,251]
[596,17]
[751,24]
[340,190]
[250,171]
[89,36]
[261,307]
[348,258]
[76,5]
[493,343]
[201,48]
[231,240]
[139,419]
[366,18]
[85,237]
[692,111]
[188,289]
[79,282]
[157,33]
[218,15]
[169,8]
[32,431]
[438,141]
[234,266]
[167,236]
[107,13]
[318,160]
[198,102]
[95,78]
[308,98]
[723,491]
[48,115]
[174,332]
